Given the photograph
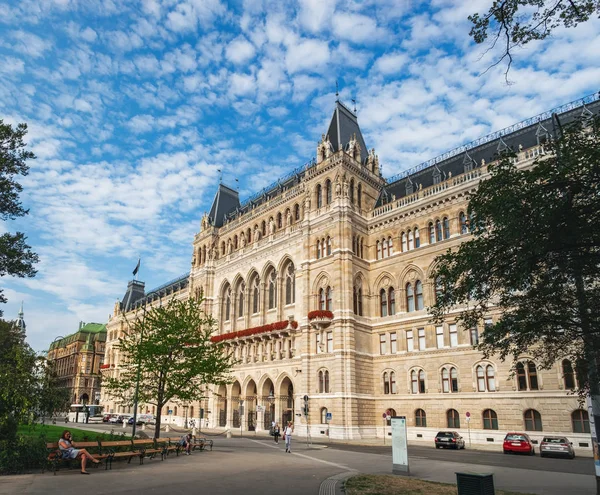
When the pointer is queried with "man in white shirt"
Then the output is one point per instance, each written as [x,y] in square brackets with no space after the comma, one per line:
[287,436]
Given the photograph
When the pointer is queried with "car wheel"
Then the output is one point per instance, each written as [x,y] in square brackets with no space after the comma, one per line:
[437,446]
[542,454]
[532,451]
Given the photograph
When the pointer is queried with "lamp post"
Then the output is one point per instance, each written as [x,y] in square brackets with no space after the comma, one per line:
[185,408]
[137,378]
[271,400]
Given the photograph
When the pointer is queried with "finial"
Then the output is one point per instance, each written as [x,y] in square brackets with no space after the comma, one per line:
[21,310]
[237,185]
[220,175]
[354,101]
[337,91]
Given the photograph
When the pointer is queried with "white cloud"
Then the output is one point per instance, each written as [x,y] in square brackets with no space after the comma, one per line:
[310,55]
[390,63]
[141,124]
[240,50]
[356,28]
[316,15]
[29,44]
[241,84]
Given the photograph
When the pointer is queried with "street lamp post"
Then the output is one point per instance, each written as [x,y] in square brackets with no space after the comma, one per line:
[185,408]
[137,378]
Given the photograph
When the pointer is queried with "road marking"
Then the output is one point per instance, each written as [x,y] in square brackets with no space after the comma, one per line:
[341,466]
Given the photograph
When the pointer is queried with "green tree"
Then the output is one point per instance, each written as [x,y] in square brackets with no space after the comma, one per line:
[534,255]
[52,397]
[16,257]
[514,23]
[168,351]
[17,381]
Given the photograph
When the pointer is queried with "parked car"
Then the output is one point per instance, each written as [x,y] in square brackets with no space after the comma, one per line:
[449,440]
[98,418]
[114,418]
[558,446]
[143,419]
[106,417]
[518,443]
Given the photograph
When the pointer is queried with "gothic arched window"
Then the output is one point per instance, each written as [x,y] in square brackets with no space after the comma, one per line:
[319,196]
[327,191]
[290,285]
[241,294]
[256,295]
[272,290]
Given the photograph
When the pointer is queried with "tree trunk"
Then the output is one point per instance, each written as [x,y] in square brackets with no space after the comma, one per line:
[158,420]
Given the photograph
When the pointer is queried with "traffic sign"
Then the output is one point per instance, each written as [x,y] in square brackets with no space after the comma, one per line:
[328,416]
[388,417]
[306,398]
[468,414]
[384,415]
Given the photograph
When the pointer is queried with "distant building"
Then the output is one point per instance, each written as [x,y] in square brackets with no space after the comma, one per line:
[320,285]
[20,321]
[78,358]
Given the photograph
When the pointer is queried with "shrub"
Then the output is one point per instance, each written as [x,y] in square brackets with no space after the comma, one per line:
[22,455]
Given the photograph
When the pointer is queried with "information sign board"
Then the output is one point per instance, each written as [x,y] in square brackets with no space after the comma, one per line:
[399,445]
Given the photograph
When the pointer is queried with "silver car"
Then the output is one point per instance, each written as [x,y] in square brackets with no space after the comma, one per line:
[558,446]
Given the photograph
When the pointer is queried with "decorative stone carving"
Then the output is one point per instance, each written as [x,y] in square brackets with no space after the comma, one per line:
[324,282]
[242,240]
[271,226]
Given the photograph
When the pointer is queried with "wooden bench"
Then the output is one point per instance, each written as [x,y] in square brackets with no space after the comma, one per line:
[55,457]
[149,448]
[173,445]
[201,443]
[119,449]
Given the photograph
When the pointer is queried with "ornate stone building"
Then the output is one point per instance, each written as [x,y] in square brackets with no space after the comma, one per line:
[78,359]
[320,285]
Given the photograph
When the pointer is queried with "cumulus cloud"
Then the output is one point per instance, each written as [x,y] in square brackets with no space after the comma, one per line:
[240,50]
[310,55]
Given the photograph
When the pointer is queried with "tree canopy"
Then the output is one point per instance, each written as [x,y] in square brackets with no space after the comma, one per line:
[16,257]
[514,23]
[534,255]
[170,345]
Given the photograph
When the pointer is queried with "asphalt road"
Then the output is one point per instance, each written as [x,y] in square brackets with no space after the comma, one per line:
[579,465]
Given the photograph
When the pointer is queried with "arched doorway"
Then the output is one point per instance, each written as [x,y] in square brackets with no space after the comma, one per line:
[250,405]
[236,392]
[286,400]
[267,399]
[85,399]
[221,404]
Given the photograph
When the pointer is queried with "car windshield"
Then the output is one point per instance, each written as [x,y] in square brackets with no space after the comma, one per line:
[445,434]
[555,440]
[516,438]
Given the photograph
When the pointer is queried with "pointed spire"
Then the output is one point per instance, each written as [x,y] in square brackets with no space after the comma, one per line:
[21,320]
[337,91]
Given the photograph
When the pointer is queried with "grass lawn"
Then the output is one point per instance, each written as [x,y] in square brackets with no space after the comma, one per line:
[369,484]
[52,433]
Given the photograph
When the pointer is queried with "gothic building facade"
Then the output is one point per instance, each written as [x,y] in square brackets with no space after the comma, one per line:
[321,284]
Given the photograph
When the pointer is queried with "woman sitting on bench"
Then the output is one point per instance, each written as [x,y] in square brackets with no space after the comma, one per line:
[69,452]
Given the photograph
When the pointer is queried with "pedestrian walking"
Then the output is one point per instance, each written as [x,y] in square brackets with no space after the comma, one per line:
[287,436]
[276,432]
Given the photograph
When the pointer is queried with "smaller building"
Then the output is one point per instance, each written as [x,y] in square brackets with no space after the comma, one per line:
[78,359]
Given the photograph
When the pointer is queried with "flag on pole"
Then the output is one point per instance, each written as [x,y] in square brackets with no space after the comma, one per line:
[137,267]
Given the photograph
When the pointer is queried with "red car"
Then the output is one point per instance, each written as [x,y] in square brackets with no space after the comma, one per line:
[519,443]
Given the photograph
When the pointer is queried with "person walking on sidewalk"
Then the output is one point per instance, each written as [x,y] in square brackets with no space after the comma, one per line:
[287,436]
[276,432]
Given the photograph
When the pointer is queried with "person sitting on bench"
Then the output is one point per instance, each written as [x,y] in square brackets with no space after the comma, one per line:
[69,452]
[186,443]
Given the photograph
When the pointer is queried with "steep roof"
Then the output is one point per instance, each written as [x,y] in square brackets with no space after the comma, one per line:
[226,201]
[343,127]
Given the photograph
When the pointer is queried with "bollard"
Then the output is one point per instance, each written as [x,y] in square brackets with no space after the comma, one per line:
[143,426]
[194,431]
[228,433]
[167,429]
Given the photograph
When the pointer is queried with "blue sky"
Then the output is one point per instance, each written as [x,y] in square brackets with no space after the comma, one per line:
[134,106]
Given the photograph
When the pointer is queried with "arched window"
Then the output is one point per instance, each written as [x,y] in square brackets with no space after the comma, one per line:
[263,228]
[321,382]
[419,295]
[329,302]
[273,290]
[393,389]
[290,285]
[378,250]
[318,249]
[410,298]
[386,383]
[533,420]
[326,377]
[462,218]
[385,248]
[241,294]
[391,413]
[449,380]
[323,248]
[480,371]
[527,376]
[359,195]
[296,212]
[383,303]
[439,288]
[358,300]
[446,228]
[421,382]
[411,240]
[319,196]
[438,231]
[431,233]
[490,420]
[362,253]
[568,375]
[228,304]
[580,421]
[279,220]
[453,418]
[352,191]
[414,382]
[235,242]
[324,415]
[175,410]
[390,246]
[420,418]
[327,191]
[490,378]
[256,295]
[391,301]
[404,242]
[417,238]
[328,246]
[322,299]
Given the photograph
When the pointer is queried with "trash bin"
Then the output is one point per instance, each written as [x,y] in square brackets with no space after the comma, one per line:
[475,484]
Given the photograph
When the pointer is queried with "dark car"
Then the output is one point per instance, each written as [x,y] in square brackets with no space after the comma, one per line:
[518,443]
[449,440]
[557,446]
